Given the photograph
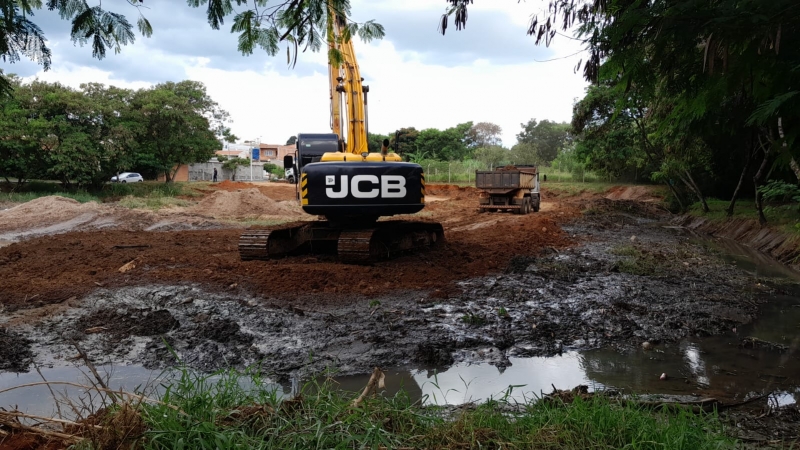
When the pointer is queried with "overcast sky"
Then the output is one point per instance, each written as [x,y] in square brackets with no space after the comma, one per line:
[491,71]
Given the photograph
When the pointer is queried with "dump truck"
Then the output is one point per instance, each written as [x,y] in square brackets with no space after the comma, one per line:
[509,188]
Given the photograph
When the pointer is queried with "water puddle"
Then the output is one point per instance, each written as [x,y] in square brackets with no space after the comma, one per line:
[752,359]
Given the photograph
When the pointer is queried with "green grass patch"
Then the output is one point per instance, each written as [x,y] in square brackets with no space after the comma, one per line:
[147,190]
[635,261]
[22,197]
[782,216]
[218,412]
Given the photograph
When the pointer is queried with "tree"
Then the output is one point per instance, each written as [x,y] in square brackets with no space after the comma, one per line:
[403,141]
[292,140]
[725,72]
[445,145]
[296,25]
[492,156]
[234,163]
[174,123]
[524,153]
[485,134]
[375,141]
[608,140]
[26,137]
[545,138]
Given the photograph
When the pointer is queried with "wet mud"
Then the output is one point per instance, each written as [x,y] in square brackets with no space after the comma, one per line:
[612,275]
[15,351]
[631,281]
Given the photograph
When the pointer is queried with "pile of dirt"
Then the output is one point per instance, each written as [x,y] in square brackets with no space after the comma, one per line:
[453,191]
[132,322]
[45,211]
[638,193]
[231,186]
[243,203]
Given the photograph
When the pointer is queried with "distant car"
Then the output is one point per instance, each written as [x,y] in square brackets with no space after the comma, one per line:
[128,177]
[289,175]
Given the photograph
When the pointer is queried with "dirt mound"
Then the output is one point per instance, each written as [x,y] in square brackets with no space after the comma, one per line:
[128,322]
[453,191]
[228,185]
[638,193]
[44,211]
[243,203]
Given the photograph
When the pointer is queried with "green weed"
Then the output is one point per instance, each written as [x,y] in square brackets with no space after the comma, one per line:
[636,261]
[222,412]
[473,319]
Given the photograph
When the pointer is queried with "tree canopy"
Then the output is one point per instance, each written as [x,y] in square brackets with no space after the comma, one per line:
[84,136]
[294,25]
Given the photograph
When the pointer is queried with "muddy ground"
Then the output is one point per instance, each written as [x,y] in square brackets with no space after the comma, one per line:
[589,270]
[584,272]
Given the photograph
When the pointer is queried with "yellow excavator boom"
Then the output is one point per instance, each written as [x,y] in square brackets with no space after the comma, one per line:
[348,94]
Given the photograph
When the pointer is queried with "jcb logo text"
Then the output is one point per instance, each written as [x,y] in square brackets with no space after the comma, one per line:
[366,186]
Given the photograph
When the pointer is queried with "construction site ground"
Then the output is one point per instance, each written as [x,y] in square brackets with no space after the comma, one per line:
[591,270]
[132,286]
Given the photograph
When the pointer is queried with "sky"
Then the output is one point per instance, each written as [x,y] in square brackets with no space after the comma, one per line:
[489,72]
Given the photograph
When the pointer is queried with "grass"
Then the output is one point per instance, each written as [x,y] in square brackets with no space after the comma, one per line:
[221,412]
[635,261]
[785,217]
[147,195]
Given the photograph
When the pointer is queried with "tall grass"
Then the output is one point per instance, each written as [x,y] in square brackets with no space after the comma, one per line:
[149,194]
[221,412]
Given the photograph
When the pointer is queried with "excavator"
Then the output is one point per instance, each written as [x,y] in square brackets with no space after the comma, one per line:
[351,188]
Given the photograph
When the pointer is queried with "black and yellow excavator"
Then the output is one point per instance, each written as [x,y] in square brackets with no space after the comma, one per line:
[350,187]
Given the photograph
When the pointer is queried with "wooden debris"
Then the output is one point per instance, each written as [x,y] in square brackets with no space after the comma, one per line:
[94,330]
[130,265]
[376,381]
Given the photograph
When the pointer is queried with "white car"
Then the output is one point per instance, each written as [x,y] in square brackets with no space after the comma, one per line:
[128,177]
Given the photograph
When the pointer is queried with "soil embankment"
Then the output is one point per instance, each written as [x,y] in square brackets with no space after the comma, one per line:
[780,245]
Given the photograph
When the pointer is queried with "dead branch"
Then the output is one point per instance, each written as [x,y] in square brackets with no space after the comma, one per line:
[95,388]
[42,432]
[55,399]
[96,374]
[45,419]
[376,381]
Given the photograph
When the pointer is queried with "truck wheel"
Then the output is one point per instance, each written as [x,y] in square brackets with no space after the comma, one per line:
[290,180]
[536,205]
[528,205]
[521,209]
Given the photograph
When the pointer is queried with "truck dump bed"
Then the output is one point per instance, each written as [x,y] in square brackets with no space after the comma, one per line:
[506,178]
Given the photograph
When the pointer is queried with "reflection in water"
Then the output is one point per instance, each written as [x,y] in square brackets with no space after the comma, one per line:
[38,400]
[525,379]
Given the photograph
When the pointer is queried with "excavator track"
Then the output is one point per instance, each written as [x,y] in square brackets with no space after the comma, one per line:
[267,244]
[382,241]
[387,240]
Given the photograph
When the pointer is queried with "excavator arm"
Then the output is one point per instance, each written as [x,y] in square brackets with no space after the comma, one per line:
[348,93]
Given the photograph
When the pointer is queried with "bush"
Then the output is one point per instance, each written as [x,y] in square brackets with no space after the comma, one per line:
[780,191]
